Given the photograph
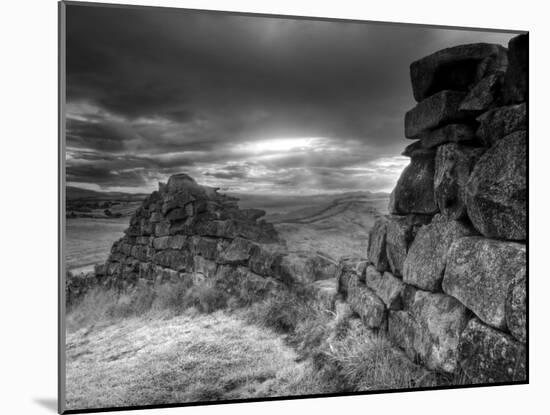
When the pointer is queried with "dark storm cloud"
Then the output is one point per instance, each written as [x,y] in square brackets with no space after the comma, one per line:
[169,90]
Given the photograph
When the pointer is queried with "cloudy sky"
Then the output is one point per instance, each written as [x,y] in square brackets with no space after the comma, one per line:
[247,104]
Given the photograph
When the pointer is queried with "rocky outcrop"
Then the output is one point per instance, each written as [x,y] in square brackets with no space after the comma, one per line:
[448,265]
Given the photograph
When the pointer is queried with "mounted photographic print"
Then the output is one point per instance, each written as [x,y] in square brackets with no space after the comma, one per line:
[260,207]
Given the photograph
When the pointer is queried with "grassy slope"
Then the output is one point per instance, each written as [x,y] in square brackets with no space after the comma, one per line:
[151,360]
[89,240]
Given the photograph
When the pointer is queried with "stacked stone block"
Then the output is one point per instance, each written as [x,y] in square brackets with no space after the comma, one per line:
[446,274]
[185,232]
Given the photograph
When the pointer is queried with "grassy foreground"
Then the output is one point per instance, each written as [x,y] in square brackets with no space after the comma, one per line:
[153,360]
[174,344]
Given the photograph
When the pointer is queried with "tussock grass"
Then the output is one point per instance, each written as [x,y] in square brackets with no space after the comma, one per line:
[182,343]
[101,305]
[191,357]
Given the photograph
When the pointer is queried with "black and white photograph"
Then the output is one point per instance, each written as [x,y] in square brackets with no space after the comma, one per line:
[260,207]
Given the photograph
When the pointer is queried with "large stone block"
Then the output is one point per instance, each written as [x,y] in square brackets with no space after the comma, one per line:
[496,192]
[484,95]
[265,262]
[427,256]
[208,247]
[516,77]
[400,232]
[204,266]
[387,287]
[345,271]
[478,273]
[488,355]
[305,267]
[376,251]
[500,122]
[516,308]
[450,133]
[169,242]
[414,191]
[456,68]
[430,330]
[177,260]
[367,305]
[453,165]
[433,112]
[162,228]
[237,253]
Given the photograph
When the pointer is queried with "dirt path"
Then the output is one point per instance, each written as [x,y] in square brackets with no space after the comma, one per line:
[144,361]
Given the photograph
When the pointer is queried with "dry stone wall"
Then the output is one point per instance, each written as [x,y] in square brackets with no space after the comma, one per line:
[185,232]
[445,279]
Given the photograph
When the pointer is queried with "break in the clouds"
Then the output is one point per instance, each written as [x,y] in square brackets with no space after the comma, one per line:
[245,103]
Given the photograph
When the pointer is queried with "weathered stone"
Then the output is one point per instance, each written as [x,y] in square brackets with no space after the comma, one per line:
[450,133]
[237,253]
[500,122]
[427,255]
[430,330]
[305,267]
[182,182]
[155,217]
[433,112]
[453,165]
[478,273]
[265,262]
[376,251]
[414,191]
[367,305]
[417,150]
[207,247]
[204,266]
[142,240]
[516,308]
[345,270]
[456,68]
[178,260]
[162,228]
[169,242]
[516,77]
[496,192]
[400,232]
[178,214]
[385,286]
[488,355]
[484,95]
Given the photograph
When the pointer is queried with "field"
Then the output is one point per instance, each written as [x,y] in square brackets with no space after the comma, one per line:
[88,241]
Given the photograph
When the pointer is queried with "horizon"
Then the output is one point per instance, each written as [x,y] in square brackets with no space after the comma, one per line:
[244,103]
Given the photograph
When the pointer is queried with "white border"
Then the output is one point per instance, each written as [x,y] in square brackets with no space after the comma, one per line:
[29,208]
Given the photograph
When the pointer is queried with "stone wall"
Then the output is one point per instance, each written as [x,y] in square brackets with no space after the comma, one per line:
[185,232]
[446,275]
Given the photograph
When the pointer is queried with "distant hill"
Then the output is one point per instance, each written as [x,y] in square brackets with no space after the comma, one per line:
[290,203]
[76,193]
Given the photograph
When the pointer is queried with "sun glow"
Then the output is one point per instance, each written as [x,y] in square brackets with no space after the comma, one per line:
[277,145]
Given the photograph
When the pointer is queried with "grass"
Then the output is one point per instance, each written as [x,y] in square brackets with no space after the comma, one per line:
[183,343]
[191,357]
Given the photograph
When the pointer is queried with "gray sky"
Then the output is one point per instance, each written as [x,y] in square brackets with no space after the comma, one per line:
[248,104]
